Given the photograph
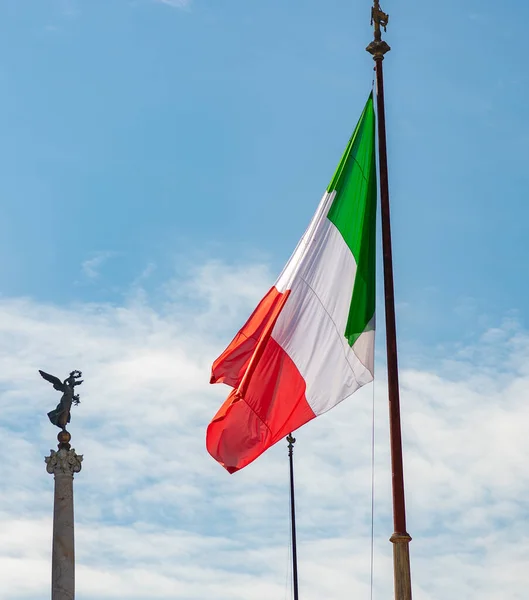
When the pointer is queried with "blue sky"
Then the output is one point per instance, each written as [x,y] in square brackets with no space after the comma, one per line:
[142,131]
[160,161]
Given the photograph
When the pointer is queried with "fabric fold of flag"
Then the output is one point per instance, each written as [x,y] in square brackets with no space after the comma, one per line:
[309,344]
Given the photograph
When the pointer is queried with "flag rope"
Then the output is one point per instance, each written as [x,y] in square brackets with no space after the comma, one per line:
[288,576]
[372,561]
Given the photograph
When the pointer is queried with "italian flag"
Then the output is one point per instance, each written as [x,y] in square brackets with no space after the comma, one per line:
[309,344]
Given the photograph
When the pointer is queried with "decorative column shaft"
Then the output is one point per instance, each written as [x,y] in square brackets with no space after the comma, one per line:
[63,464]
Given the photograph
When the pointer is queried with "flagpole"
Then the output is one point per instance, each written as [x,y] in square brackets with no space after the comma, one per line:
[400,538]
[291,441]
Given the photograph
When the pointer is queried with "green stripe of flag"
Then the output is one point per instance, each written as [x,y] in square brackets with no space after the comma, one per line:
[353,212]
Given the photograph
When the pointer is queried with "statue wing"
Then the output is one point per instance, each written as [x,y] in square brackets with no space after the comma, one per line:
[57,383]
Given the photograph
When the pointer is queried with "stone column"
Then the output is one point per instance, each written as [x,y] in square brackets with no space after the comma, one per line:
[63,464]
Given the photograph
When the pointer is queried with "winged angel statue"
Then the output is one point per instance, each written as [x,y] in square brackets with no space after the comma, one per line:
[61,415]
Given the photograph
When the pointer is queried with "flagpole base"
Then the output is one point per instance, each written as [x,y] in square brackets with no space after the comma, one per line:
[401,565]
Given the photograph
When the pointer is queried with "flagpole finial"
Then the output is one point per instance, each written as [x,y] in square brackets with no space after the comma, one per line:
[378,47]
[291,441]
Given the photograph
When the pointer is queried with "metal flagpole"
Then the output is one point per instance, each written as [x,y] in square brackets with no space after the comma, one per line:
[400,538]
[291,441]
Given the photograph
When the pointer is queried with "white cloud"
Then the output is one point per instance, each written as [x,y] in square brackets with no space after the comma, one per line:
[175,3]
[92,266]
[157,518]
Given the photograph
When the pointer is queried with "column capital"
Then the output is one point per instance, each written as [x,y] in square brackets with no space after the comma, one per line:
[63,462]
